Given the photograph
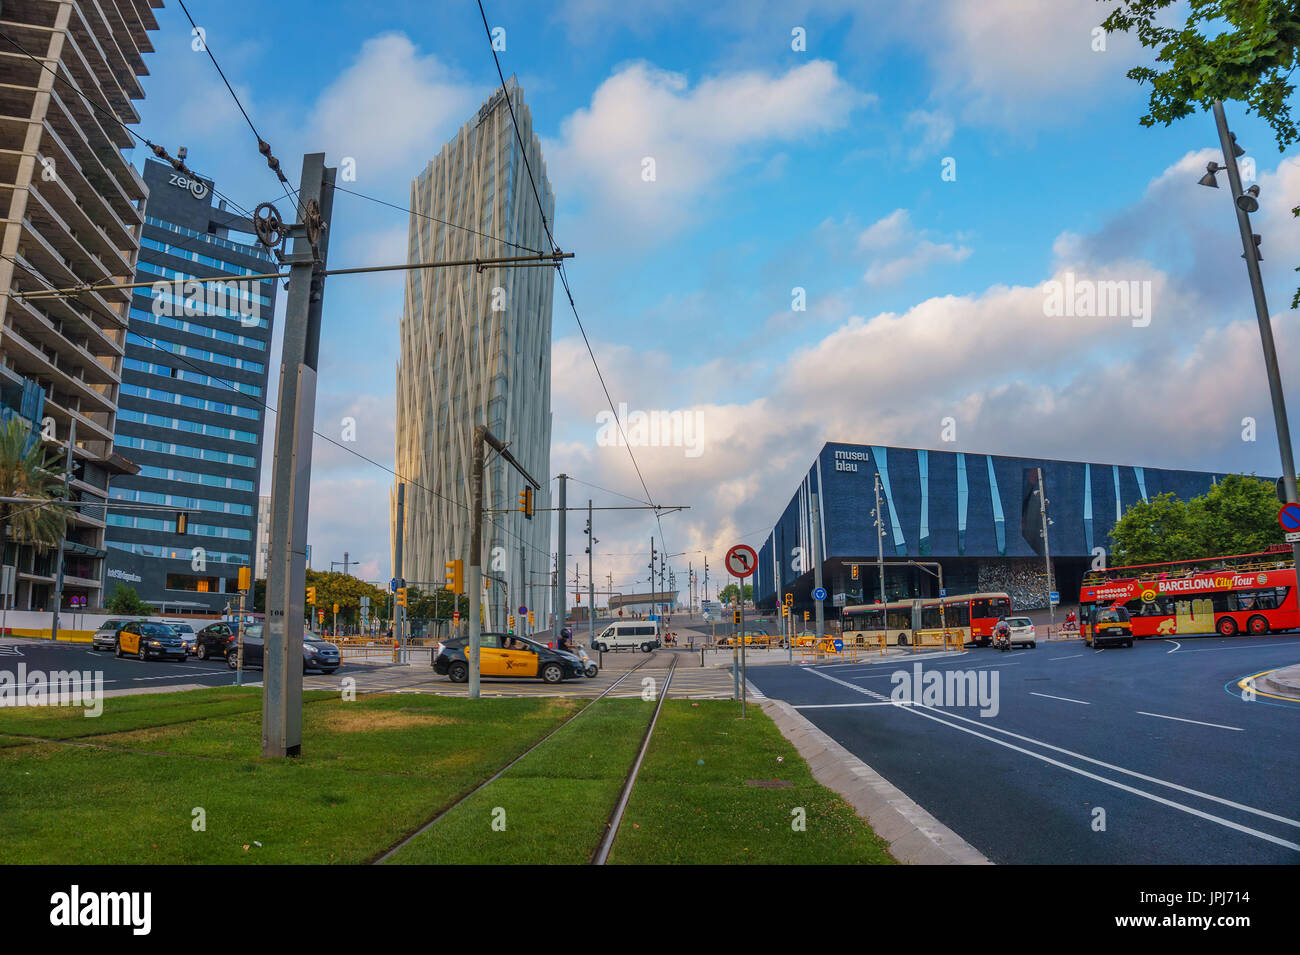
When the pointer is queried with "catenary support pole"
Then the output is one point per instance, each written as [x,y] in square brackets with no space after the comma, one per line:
[291,471]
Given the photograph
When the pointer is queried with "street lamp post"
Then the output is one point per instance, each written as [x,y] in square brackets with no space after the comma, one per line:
[1244,204]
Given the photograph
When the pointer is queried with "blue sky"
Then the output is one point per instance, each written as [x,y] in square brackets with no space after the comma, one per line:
[775,169]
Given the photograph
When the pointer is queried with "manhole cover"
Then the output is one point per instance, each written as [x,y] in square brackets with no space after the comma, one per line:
[769,783]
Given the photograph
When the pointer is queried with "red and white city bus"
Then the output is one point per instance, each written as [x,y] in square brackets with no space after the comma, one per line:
[975,613]
[1254,593]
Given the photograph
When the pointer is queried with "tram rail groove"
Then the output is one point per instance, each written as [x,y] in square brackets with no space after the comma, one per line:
[616,818]
[501,772]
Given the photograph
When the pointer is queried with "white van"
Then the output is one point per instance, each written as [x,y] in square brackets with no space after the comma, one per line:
[640,635]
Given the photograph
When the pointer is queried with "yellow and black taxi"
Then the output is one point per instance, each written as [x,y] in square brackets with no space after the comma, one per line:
[145,640]
[1102,625]
[506,655]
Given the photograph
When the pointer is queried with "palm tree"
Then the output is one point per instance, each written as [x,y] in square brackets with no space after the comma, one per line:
[27,471]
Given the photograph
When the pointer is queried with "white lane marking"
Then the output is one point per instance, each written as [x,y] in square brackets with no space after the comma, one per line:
[836,706]
[1065,698]
[1197,722]
[1256,646]
[1190,810]
[1176,644]
[992,665]
[1070,657]
[1096,762]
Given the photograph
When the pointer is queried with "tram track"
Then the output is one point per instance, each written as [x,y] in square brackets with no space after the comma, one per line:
[425,827]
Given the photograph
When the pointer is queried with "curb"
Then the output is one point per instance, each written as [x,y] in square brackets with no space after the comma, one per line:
[1284,682]
[915,837]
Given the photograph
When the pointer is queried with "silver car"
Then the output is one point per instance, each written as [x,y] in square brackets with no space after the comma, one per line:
[105,637]
[1022,632]
[185,632]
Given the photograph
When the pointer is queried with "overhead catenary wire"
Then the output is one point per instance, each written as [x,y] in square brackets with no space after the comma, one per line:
[563,277]
[262,145]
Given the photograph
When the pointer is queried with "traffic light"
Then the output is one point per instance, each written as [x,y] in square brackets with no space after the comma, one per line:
[785,610]
[526,502]
[735,617]
[530,618]
[401,596]
[512,622]
[805,616]
[245,578]
[336,608]
[789,600]
[456,576]
[855,571]
[311,595]
[182,522]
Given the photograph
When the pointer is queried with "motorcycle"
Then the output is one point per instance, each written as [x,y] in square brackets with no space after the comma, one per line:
[1002,638]
[588,664]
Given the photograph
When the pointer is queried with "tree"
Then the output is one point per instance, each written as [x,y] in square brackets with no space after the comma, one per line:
[127,602]
[28,471]
[1236,516]
[728,593]
[1240,50]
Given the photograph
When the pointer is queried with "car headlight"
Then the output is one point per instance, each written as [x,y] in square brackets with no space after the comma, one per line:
[154,643]
[308,649]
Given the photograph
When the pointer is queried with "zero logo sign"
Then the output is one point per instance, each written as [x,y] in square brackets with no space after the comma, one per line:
[741,560]
[197,187]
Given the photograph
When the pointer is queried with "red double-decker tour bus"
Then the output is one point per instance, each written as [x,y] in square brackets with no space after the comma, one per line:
[1254,593]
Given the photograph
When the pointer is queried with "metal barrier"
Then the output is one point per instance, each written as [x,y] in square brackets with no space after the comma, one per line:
[825,649]
[945,638]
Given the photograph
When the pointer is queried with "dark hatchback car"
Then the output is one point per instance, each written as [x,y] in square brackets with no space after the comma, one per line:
[317,654]
[210,642]
[502,654]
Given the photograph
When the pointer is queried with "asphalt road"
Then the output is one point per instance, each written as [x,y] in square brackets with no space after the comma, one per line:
[1157,736]
[127,673]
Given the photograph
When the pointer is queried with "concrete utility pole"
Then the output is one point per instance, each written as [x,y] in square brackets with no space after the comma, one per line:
[880,541]
[562,558]
[58,567]
[291,472]
[399,612]
[1047,550]
[817,564]
[1242,203]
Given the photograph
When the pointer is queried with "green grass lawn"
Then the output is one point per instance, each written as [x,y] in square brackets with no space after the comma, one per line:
[693,802]
[554,803]
[124,789]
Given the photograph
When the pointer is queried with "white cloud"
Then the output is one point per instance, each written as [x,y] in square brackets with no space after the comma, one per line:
[895,232]
[932,131]
[391,109]
[695,136]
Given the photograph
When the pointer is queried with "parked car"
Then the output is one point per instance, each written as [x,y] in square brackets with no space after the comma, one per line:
[502,654]
[105,637]
[145,640]
[210,642]
[317,654]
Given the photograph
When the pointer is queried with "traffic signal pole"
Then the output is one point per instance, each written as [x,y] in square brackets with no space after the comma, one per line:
[399,612]
[291,471]
[474,583]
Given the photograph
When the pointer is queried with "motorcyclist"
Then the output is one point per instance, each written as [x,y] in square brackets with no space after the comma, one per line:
[1002,634]
[566,640]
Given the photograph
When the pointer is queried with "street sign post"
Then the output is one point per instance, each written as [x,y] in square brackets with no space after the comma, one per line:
[741,561]
[819,593]
[1288,516]
[1054,597]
